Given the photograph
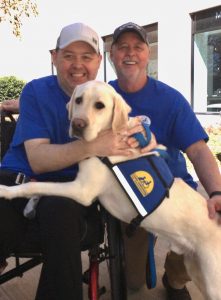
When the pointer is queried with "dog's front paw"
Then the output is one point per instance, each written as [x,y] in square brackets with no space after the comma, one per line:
[5,192]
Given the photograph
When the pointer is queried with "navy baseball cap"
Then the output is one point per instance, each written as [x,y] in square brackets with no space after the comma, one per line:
[130,27]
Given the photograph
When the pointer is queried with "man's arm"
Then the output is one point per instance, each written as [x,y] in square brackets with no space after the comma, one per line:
[207,171]
[46,157]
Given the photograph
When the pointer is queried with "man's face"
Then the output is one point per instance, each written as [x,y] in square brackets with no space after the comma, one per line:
[130,56]
[76,64]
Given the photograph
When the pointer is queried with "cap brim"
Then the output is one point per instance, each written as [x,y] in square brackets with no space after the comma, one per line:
[79,40]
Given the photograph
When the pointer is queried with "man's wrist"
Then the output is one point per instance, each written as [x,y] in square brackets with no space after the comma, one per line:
[215,193]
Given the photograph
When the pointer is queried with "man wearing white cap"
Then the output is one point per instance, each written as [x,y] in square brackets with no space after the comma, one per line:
[69,34]
[42,150]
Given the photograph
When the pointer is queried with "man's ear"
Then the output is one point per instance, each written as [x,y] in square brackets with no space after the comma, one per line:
[110,54]
[54,57]
[120,115]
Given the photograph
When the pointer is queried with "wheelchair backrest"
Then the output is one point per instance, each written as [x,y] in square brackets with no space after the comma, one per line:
[8,124]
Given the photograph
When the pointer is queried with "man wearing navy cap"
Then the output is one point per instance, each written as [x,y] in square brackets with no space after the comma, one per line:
[174,125]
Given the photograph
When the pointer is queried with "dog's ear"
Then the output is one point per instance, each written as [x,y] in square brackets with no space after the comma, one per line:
[70,104]
[120,115]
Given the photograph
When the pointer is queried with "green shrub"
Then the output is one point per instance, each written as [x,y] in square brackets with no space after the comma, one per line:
[214,143]
[10,87]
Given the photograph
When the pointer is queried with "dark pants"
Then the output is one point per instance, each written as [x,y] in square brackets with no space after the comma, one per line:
[136,249]
[57,232]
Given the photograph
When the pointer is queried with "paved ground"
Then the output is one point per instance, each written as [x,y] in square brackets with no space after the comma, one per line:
[24,288]
[157,293]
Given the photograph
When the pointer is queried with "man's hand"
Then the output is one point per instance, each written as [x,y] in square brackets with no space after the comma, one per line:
[11,105]
[214,206]
[133,143]
[109,143]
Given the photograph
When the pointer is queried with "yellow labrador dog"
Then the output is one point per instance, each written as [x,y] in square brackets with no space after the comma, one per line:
[182,218]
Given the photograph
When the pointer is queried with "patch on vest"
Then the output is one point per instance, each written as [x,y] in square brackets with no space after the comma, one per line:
[143,181]
[146,181]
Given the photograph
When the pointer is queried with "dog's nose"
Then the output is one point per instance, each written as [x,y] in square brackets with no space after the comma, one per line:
[79,123]
[78,126]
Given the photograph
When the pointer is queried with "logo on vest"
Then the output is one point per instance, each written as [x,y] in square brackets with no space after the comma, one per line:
[143,181]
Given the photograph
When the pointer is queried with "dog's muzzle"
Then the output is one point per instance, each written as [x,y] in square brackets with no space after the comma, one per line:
[78,126]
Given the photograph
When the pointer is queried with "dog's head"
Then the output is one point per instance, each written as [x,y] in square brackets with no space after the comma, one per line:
[96,106]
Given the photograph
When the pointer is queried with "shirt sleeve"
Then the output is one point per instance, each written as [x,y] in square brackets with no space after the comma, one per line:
[30,123]
[185,128]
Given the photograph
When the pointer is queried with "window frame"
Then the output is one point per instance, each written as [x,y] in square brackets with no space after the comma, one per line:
[203,21]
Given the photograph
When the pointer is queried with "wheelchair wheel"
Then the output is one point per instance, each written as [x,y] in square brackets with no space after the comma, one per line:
[116,258]
[110,251]
[93,290]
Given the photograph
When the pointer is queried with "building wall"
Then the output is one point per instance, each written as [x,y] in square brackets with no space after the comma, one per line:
[174,49]
[174,43]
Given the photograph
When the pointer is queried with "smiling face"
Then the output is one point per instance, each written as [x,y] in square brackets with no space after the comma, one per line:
[130,55]
[75,64]
[95,106]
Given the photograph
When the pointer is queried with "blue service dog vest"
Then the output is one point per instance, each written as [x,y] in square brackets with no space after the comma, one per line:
[146,181]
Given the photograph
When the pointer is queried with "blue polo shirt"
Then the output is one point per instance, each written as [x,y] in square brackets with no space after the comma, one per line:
[172,121]
[43,114]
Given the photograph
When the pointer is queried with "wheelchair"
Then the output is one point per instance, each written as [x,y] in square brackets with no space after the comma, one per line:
[108,248]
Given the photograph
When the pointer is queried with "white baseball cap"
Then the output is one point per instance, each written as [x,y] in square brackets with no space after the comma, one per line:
[78,32]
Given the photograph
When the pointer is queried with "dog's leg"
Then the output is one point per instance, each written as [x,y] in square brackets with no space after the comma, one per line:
[208,274]
[183,220]
[203,268]
[72,190]
[90,182]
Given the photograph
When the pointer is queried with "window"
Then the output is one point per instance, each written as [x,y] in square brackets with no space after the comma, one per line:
[152,31]
[206,61]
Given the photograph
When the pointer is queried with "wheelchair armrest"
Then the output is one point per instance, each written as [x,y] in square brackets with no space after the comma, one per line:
[7,114]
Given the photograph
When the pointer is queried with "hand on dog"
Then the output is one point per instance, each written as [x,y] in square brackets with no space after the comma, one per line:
[133,143]
[214,206]
[109,143]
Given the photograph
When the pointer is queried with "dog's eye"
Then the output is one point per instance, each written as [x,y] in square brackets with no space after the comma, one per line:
[78,100]
[99,105]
